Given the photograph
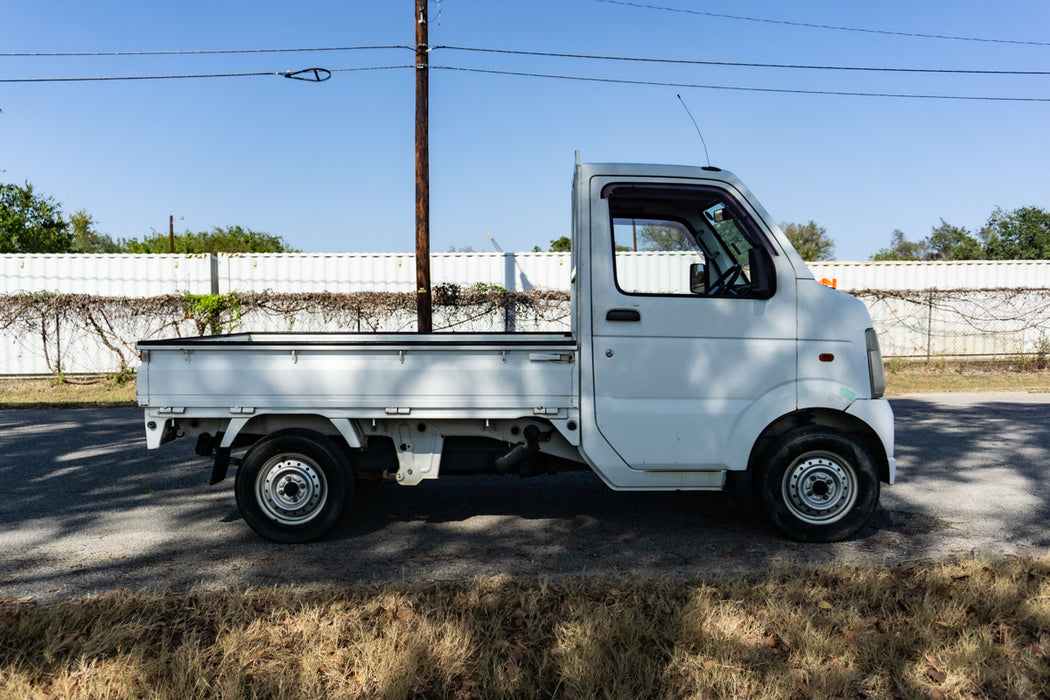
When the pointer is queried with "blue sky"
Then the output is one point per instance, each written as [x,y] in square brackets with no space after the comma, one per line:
[329,166]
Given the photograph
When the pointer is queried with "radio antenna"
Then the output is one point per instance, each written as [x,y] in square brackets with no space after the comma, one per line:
[697,129]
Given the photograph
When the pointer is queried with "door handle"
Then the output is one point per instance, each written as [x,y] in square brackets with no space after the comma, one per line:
[623,315]
[550,357]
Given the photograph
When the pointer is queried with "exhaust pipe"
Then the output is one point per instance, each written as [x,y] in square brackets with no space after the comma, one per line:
[524,459]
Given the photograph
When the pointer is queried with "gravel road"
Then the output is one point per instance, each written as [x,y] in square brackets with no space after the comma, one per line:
[86,509]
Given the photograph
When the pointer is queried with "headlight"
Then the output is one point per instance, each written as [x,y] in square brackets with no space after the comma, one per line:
[875,372]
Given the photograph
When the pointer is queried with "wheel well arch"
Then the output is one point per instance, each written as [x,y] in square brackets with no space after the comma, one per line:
[342,431]
[826,418]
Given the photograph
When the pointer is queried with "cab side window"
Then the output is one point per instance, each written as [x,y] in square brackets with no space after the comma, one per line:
[686,241]
[651,255]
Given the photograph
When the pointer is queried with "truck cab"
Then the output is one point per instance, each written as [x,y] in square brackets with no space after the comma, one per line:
[707,343]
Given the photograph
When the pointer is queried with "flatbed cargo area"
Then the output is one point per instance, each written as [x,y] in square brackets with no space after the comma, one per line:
[375,375]
[272,339]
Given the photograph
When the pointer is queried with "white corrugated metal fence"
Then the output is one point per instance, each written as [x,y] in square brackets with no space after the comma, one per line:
[920,309]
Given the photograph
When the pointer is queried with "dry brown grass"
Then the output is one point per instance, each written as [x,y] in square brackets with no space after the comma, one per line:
[49,393]
[967,629]
[916,377]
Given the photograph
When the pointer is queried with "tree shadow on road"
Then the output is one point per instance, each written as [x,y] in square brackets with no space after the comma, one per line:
[89,509]
[978,463]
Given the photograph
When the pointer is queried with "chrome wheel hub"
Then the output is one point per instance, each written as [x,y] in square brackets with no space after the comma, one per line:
[291,489]
[820,488]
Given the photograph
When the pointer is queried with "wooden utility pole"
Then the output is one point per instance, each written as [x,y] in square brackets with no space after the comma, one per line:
[424,318]
[171,233]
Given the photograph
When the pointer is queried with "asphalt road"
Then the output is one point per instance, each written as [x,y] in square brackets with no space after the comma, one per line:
[85,509]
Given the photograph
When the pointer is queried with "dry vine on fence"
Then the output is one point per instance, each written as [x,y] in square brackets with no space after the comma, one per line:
[56,325]
[928,323]
[78,333]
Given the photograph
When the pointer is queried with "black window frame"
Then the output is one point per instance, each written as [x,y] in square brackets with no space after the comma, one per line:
[686,191]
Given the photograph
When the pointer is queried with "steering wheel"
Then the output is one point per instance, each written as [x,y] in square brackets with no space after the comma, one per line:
[723,286]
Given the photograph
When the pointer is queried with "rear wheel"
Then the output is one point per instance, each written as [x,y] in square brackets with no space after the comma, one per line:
[818,485]
[292,485]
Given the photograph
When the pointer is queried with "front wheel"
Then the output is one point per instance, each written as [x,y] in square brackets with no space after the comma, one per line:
[818,485]
[292,485]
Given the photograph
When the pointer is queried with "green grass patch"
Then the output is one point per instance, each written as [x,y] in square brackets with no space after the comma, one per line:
[962,629]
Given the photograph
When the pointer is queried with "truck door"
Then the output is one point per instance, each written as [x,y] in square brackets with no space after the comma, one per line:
[693,320]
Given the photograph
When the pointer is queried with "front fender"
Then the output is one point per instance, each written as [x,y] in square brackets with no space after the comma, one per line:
[813,395]
[878,414]
[826,393]
[752,423]
[874,413]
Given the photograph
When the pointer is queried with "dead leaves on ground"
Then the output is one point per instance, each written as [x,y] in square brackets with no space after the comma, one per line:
[393,613]
[954,630]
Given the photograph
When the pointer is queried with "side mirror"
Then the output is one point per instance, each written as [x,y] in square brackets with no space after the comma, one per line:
[762,273]
[697,279]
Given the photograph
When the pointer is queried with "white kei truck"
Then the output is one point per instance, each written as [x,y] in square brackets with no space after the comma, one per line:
[735,370]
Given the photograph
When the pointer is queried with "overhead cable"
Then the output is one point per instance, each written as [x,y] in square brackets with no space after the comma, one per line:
[202,52]
[810,25]
[744,88]
[693,62]
[619,81]
[597,57]
[188,76]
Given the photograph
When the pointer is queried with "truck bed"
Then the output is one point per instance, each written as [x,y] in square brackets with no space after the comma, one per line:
[368,375]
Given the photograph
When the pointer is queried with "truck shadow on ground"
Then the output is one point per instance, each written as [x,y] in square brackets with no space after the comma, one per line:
[88,509]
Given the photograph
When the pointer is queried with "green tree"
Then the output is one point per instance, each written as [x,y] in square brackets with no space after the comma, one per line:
[561,245]
[810,240]
[947,242]
[1022,234]
[31,222]
[86,239]
[231,239]
[902,249]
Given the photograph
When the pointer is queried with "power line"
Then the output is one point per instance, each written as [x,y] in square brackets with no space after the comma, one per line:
[187,76]
[203,52]
[93,79]
[553,76]
[620,81]
[841,93]
[692,62]
[363,68]
[599,57]
[810,25]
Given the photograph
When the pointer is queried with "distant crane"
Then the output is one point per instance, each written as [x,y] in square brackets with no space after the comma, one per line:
[494,243]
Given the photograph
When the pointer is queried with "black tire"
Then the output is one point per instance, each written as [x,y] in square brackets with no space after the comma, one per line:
[292,485]
[817,485]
